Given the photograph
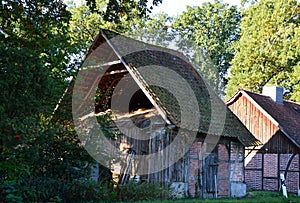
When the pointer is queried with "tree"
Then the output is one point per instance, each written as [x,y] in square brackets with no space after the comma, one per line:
[115,11]
[268,51]
[213,27]
[35,54]
[154,29]
[120,16]
[40,157]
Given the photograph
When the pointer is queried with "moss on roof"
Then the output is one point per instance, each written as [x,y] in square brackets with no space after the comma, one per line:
[215,117]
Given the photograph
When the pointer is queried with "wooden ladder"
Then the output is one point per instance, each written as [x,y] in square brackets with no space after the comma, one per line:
[126,174]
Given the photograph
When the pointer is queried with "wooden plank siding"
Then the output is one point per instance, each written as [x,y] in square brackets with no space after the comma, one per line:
[204,173]
[262,127]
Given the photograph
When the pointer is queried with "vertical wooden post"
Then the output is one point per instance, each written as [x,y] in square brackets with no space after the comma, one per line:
[298,173]
[262,170]
[229,168]
[278,171]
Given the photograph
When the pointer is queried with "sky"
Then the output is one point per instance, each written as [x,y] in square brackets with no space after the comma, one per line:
[175,7]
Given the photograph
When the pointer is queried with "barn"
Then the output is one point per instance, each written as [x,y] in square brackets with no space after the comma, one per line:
[276,123]
[170,126]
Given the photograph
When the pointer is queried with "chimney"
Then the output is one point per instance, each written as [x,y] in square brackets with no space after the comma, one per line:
[276,93]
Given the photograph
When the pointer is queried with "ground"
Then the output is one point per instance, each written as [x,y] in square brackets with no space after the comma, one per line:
[252,197]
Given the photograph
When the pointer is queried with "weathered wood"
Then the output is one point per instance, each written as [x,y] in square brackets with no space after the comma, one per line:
[262,162]
[299,172]
[207,167]
[278,171]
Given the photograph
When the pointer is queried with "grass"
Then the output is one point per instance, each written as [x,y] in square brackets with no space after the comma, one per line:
[252,197]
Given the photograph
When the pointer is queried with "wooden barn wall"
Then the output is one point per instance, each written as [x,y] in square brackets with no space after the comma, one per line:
[159,138]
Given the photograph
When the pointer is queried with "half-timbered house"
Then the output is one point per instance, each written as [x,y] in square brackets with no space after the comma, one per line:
[276,123]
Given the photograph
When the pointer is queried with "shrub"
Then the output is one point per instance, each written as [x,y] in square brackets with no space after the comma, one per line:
[142,191]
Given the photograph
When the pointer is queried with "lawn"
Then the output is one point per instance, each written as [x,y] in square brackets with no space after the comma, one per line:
[252,197]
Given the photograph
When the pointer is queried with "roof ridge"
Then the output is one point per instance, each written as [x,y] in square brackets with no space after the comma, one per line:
[108,33]
[261,94]
[293,102]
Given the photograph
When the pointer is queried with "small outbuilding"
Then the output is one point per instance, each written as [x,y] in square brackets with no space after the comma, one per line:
[276,123]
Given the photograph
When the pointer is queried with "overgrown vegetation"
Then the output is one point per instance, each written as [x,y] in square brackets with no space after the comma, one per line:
[44,189]
[142,191]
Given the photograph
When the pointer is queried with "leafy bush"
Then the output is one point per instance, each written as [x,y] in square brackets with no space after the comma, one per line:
[41,161]
[9,193]
[142,191]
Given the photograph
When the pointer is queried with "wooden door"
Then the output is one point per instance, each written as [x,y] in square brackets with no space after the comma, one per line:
[210,170]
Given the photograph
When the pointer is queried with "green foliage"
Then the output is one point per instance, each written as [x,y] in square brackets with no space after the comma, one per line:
[35,55]
[154,30]
[40,157]
[268,51]
[120,16]
[141,191]
[116,10]
[39,27]
[23,78]
[84,26]
[40,161]
[9,193]
[213,27]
